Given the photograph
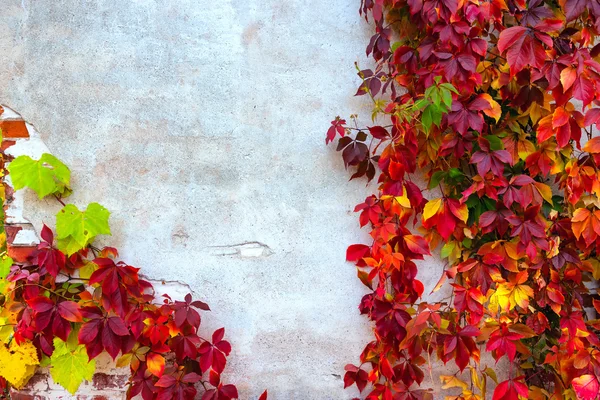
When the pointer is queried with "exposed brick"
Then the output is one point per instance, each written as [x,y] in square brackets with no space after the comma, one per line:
[6,144]
[11,232]
[14,128]
[14,395]
[19,254]
[106,381]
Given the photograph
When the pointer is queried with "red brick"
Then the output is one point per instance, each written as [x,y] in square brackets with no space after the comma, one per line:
[11,232]
[14,395]
[6,144]
[14,128]
[105,381]
[19,254]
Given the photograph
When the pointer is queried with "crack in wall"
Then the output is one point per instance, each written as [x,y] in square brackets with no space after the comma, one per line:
[243,250]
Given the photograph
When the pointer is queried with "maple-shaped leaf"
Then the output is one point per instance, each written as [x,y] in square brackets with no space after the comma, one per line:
[48,257]
[490,160]
[178,386]
[586,387]
[142,384]
[58,316]
[465,115]
[513,293]
[102,332]
[116,280]
[76,229]
[185,346]
[444,215]
[586,224]
[461,346]
[48,175]
[355,375]
[502,341]
[70,364]
[524,46]
[185,312]
[564,124]
[221,391]
[370,210]
[511,389]
[337,127]
[214,354]
[529,226]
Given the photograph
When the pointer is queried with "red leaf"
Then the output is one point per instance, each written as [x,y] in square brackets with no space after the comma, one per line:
[357,251]
[586,387]
[70,311]
[417,244]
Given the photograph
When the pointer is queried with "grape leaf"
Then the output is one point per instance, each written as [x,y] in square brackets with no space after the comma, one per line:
[76,229]
[18,363]
[48,175]
[69,363]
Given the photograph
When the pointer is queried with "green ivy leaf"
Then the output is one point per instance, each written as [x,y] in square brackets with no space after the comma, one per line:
[69,363]
[5,264]
[76,229]
[48,175]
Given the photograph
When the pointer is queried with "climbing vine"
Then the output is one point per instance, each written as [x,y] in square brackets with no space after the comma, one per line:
[492,104]
[72,301]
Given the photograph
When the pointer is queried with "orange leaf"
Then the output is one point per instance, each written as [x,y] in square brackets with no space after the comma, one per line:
[417,244]
[567,77]
[592,146]
[156,364]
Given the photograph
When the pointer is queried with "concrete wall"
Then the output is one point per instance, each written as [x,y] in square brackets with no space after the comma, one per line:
[200,125]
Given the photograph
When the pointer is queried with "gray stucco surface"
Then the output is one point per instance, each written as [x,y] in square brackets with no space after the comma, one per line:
[200,125]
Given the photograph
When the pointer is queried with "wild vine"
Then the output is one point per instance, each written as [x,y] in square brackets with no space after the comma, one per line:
[72,301]
[492,104]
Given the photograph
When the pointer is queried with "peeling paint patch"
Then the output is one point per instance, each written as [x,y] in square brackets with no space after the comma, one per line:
[243,250]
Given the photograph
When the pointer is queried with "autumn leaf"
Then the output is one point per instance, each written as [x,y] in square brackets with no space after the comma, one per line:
[69,363]
[417,244]
[586,224]
[48,175]
[18,362]
[523,46]
[513,293]
[510,390]
[586,387]
[76,229]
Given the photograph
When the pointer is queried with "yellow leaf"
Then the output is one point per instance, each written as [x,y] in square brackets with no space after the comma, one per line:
[431,208]
[494,111]
[450,381]
[545,191]
[18,363]
[403,200]
[509,295]
[462,212]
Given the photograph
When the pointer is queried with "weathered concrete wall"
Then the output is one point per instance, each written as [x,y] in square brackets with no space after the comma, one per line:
[200,125]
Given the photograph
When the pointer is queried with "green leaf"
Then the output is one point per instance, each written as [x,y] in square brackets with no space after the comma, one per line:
[447,249]
[436,178]
[447,98]
[450,87]
[69,363]
[455,173]
[5,264]
[427,118]
[48,175]
[76,229]
[495,142]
